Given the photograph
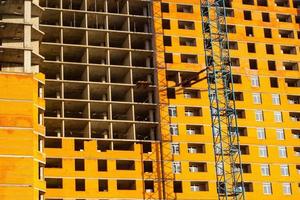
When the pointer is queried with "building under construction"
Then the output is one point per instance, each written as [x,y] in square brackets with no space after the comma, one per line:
[121,99]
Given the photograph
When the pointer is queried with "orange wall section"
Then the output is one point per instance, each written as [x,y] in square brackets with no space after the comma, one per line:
[21,136]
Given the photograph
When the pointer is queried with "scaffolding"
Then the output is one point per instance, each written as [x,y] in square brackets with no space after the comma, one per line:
[222,101]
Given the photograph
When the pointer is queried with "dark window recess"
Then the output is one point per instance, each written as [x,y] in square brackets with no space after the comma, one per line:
[187,25]
[53,143]
[248,187]
[242,131]
[167,41]
[79,184]
[251,47]
[233,45]
[238,96]
[168,57]
[246,168]
[245,150]
[262,2]
[265,17]
[54,182]
[102,165]
[297,19]
[79,164]
[241,113]
[247,15]
[282,3]
[269,49]
[271,65]
[248,2]
[171,93]
[125,165]
[126,185]
[149,186]
[268,33]
[102,185]
[53,163]
[296,4]
[147,148]
[177,185]
[235,62]
[165,7]
[274,82]
[249,31]
[253,63]
[78,145]
[185,8]
[166,24]
[298,34]
[236,79]
[148,166]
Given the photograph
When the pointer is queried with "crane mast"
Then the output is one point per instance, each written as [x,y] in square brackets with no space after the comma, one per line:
[227,153]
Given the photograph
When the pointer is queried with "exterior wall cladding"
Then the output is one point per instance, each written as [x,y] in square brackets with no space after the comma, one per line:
[112,130]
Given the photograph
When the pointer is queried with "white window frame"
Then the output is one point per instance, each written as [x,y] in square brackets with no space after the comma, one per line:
[174,129]
[286,188]
[261,134]
[277,116]
[172,111]
[259,115]
[267,188]
[280,135]
[176,167]
[254,81]
[256,98]
[265,169]
[282,149]
[276,99]
[175,148]
[263,151]
[284,170]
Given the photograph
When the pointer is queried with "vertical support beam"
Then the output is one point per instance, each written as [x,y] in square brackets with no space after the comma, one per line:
[27,36]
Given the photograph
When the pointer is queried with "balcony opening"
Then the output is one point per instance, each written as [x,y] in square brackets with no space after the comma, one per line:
[102,165]
[290,82]
[268,33]
[271,65]
[177,186]
[296,4]
[286,33]
[244,149]
[54,183]
[239,96]
[148,166]
[247,15]
[199,186]
[265,17]
[197,167]
[126,185]
[79,145]
[194,129]
[262,2]
[283,18]
[253,63]
[184,8]
[296,133]
[288,50]
[79,184]
[248,2]
[235,62]
[123,146]
[274,82]
[269,49]
[185,58]
[293,66]
[293,99]
[102,185]
[294,116]
[230,28]
[297,151]
[241,114]
[125,165]
[196,148]
[53,163]
[298,169]
[191,94]
[79,164]
[187,25]
[282,3]
[193,111]
[149,186]
[103,146]
[249,31]
[184,41]
[53,143]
